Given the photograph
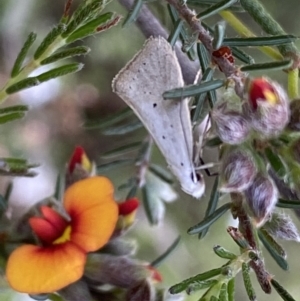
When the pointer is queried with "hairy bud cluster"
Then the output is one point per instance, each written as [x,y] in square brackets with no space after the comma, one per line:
[266,111]
[237,172]
[231,126]
[260,198]
[267,108]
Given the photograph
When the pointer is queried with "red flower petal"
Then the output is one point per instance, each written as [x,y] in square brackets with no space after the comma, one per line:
[93,212]
[76,158]
[35,270]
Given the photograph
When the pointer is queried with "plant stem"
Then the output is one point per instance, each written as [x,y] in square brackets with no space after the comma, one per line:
[228,68]
[243,30]
[259,14]
[293,80]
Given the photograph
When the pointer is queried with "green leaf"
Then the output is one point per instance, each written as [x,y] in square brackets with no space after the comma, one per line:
[66,53]
[60,187]
[59,71]
[259,41]
[276,162]
[231,289]
[288,204]
[184,36]
[173,37]
[153,206]
[110,120]
[219,35]
[133,191]
[133,14]
[193,90]
[16,167]
[223,253]
[158,261]
[199,99]
[123,129]
[209,220]
[281,291]
[39,297]
[84,13]
[122,150]
[212,205]
[114,164]
[278,65]
[89,28]
[162,173]
[203,57]
[11,117]
[14,109]
[205,3]
[247,282]
[22,84]
[199,285]
[48,40]
[182,286]
[22,54]
[223,293]
[215,8]
[242,56]
[275,250]
[238,238]
[272,242]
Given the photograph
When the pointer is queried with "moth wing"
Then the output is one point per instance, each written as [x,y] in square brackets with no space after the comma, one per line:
[141,83]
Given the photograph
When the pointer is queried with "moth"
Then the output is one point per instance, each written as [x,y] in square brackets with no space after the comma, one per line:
[141,83]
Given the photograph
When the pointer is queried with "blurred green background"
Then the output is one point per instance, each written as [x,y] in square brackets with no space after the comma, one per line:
[54,126]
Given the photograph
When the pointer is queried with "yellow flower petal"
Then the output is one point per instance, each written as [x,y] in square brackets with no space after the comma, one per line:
[93,212]
[35,270]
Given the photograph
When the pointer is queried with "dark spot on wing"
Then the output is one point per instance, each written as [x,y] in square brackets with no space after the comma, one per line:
[154,105]
[163,137]
[181,164]
[172,126]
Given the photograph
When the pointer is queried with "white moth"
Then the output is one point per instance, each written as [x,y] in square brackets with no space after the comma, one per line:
[141,83]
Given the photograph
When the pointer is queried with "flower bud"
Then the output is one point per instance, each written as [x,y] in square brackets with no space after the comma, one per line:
[294,123]
[261,197]
[143,291]
[267,108]
[127,213]
[281,226]
[79,166]
[231,126]
[120,271]
[238,171]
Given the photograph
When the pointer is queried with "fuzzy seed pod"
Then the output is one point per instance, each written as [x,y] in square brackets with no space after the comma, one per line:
[260,198]
[267,107]
[238,171]
[231,126]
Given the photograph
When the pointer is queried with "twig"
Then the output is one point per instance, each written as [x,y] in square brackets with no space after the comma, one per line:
[150,26]
[228,68]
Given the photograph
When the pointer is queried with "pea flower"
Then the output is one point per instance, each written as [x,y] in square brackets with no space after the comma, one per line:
[61,257]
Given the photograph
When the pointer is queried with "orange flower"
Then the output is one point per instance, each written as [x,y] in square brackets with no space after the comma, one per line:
[61,258]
